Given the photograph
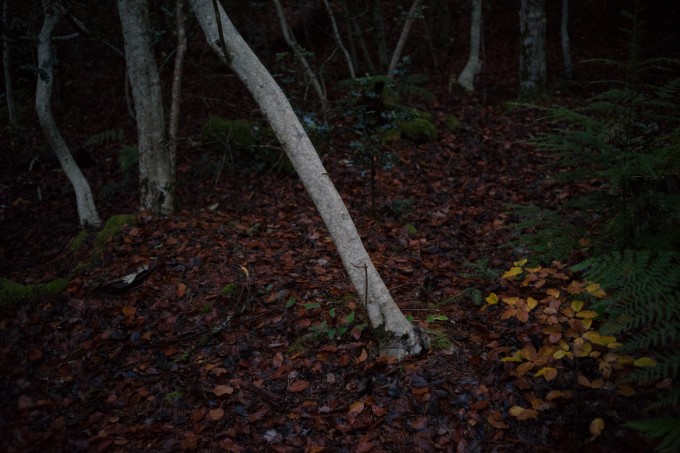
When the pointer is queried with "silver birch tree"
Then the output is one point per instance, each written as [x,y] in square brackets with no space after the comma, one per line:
[156,161]
[532,66]
[398,337]
[466,79]
[87,212]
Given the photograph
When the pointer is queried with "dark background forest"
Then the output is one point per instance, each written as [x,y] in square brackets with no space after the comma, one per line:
[535,239]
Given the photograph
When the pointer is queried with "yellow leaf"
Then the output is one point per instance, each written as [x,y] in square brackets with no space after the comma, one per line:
[594,290]
[492,299]
[596,427]
[510,300]
[549,373]
[553,292]
[512,272]
[587,314]
[577,305]
[645,362]
[514,358]
[531,303]
[594,337]
[533,270]
[587,323]
[559,354]
[515,411]
[520,262]
[356,408]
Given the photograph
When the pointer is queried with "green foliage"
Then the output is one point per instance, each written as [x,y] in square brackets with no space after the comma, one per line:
[223,132]
[13,294]
[128,159]
[665,428]
[439,341]
[112,228]
[106,136]
[544,232]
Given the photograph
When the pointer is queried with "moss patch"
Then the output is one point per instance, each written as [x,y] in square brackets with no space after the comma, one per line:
[113,227]
[439,341]
[13,294]
[452,123]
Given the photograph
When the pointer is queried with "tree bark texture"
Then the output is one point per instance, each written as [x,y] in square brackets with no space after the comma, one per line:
[176,94]
[466,79]
[398,336]
[6,62]
[532,66]
[87,212]
[156,162]
[564,35]
[338,40]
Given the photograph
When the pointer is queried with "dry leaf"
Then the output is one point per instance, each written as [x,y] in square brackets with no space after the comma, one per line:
[298,386]
[215,414]
[356,408]
[223,390]
[596,427]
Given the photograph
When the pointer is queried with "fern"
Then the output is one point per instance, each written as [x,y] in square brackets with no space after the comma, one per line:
[107,136]
[666,428]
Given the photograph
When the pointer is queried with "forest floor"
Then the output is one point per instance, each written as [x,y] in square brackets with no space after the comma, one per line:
[220,345]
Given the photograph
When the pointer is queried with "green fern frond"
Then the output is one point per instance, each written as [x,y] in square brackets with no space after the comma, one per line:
[107,136]
[665,428]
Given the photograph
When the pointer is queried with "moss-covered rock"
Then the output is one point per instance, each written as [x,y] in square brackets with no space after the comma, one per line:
[452,123]
[13,294]
[113,227]
[418,129]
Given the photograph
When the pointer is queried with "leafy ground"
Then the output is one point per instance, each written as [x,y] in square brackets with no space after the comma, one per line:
[220,344]
[240,331]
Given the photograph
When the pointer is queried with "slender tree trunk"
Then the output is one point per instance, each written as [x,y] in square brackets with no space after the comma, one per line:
[290,40]
[466,79]
[6,64]
[564,34]
[379,30]
[359,33]
[338,40]
[398,337]
[177,79]
[87,212]
[411,16]
[156,163]
[532,67]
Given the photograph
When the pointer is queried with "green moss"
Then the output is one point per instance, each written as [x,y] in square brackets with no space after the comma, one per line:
[113,227]
[439,341]
[302,344]
[418,129]
[452,123]
[410,229]
[78,241]
[229,289]
[13,294]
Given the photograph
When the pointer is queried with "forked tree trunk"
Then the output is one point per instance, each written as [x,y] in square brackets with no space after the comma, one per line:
[87,212]
[156,162]
[398,336]
[338,40]
[564,34]
[466,79]
[532,67]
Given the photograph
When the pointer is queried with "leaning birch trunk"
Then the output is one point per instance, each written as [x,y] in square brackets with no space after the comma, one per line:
[564,34]
[532,66]
[338,40]
[290,40]
[156,163]
[87,212]
[411,16]
[466,79]
[398,336]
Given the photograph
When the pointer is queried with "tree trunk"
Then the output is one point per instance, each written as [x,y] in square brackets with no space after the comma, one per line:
[564,34]
[9,91]
[398,337]
[177,79]
[295,47]
[532,67]
[412,15]
[466,79]
[87,212]
[156,163]
[338,40]
[379,30]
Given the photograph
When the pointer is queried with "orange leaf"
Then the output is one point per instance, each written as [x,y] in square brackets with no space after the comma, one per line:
[129,311]
[356,408]
[215,414]
[223,390]
[553,292]
[298,386]
[362,357]
[531,303]
[549,373]
[495,419]
[596,427]
[181,290]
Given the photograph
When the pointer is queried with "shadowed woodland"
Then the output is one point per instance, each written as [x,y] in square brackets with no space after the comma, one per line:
[176,274]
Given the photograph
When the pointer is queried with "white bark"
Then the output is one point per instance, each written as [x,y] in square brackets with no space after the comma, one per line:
[398,337]
[87,211]
[294,46]
[410,18]
[156,162]
[532,66]
[564,34]
[338,40]
[466,79]
[9,91]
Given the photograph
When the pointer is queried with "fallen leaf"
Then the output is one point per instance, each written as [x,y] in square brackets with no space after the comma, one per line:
[181,290]
[215,414]
[645,362]
[356,408]
[223,390]
[596,427]
[298,386]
